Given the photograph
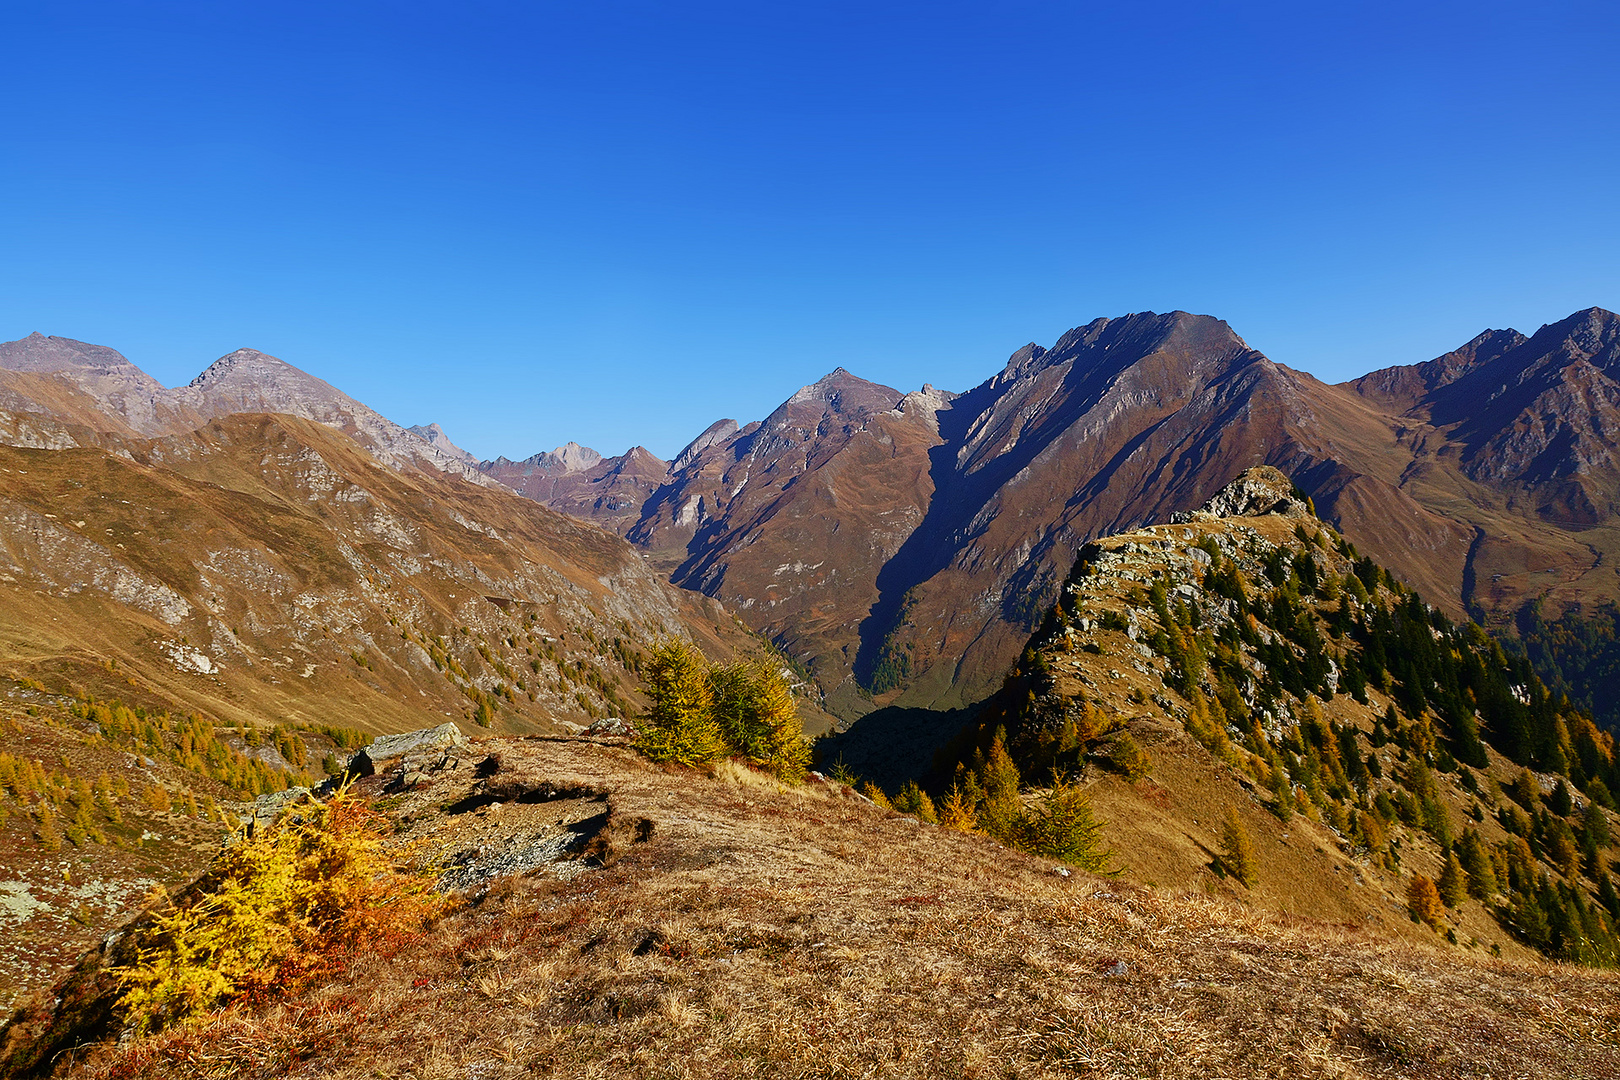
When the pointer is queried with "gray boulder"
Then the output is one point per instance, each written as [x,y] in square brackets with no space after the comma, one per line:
[389,748]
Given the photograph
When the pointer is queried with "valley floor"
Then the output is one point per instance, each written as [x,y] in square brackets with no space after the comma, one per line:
[743,929]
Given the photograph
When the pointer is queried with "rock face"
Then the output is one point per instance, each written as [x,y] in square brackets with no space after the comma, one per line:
[389,748]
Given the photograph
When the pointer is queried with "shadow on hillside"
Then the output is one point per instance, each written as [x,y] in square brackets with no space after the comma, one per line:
[892,745]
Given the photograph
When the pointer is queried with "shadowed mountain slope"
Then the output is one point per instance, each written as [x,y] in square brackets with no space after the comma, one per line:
[900,545]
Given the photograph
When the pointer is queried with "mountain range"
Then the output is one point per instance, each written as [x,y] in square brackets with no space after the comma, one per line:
[259,546]
[900,545]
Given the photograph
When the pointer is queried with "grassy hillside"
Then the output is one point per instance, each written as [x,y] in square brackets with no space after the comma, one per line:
[725,926]
[103,801]
[1258,666]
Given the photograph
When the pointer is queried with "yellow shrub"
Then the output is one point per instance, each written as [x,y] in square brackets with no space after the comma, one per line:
[284,908]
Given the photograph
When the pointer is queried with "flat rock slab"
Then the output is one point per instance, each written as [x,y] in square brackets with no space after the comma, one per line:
[388,747]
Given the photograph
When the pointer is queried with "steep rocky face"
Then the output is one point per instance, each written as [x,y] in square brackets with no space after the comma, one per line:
[789,521]
[577,480]
[97,387]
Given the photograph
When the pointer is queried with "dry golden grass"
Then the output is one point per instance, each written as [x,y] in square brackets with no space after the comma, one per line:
[752,930]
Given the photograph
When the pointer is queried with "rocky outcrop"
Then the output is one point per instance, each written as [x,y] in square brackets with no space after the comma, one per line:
[1259,491]
[390,748]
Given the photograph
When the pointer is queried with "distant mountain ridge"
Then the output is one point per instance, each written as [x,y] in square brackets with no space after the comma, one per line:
[53,376]
[900,543]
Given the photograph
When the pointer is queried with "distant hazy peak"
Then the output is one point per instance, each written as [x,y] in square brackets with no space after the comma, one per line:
[50,355]
[570,457]
[434,435]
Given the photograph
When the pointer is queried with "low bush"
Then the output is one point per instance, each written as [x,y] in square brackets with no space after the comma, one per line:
[288,906]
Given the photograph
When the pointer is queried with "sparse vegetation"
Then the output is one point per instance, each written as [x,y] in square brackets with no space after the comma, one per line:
[287,906]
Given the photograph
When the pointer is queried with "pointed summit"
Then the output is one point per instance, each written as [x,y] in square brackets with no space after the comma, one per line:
[436,438]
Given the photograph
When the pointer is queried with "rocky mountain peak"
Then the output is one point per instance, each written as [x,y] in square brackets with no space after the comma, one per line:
[846,393]
[570,457]
[1257,492]
[59,355]
[435,437]
[245,365]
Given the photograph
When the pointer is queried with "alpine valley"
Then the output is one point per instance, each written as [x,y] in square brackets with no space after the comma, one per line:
[1158,691]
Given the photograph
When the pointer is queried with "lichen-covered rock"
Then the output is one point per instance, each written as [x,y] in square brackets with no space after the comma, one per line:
[387,748]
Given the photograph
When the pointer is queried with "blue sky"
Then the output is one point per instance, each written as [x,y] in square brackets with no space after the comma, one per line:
[615,222]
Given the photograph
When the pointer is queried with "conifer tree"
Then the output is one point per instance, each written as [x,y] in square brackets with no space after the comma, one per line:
[50,837]
[914,800]
[1608,897]
[1062,826]
[758,718]
[1452,885]
[1282,792]
[999,808]
[1237,851]
[679,727]
[1423,901]
[1476,863]
[875,793]
[956,810]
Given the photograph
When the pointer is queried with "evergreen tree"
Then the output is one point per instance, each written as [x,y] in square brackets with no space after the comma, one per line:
[758,718]
[1237,851]
[999,809]
[1608,897]
[914,800]
[50,837]
[1062,826]
[679,727]
[1423,901]
[956,809]
[1451,884]
[1560,801]
[1476,863]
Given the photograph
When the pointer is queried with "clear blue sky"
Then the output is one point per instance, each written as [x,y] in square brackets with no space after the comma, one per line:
[616,221]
